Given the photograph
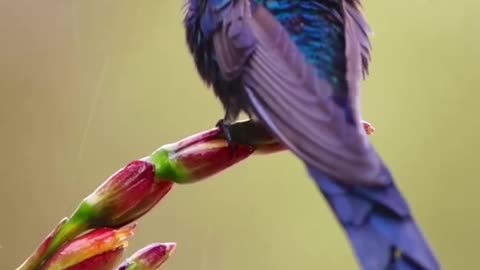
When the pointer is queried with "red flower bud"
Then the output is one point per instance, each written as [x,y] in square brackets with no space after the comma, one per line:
[197,157]
[127,195]
[124,197]
[100,249]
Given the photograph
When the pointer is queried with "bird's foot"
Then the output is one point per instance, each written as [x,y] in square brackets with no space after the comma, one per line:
[225,128]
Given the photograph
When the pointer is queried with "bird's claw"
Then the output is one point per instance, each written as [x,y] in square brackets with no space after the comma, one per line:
[225,128]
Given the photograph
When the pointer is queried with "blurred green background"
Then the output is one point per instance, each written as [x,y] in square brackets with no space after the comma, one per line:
[87,86]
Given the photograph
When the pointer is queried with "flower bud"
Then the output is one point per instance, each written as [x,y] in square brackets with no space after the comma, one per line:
[197,157]
[126,195]
[149,258]
[100,249]
[104,261]
[369,128]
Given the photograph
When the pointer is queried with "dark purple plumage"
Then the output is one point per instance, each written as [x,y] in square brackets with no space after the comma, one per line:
[199,32]
[295,66]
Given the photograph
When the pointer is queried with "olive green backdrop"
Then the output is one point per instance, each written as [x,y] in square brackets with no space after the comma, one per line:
[87,86]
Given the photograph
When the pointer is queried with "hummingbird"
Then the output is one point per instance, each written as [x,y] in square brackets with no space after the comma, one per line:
[295,67]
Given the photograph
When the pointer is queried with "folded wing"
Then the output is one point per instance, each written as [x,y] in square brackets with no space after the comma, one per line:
[288,95]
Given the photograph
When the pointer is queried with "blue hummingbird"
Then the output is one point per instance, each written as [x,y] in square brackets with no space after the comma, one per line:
[295,67]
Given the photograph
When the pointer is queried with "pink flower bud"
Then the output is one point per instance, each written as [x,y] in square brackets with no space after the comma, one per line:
[369,128]
[100,249]
[104,261]
[149,258]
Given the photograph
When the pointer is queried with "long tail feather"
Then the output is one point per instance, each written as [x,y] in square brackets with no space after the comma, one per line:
[379,224]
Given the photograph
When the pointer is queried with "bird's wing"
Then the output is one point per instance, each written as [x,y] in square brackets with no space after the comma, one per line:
[362,30]
[290,97]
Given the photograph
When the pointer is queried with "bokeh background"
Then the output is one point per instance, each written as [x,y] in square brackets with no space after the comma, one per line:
[87,86]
